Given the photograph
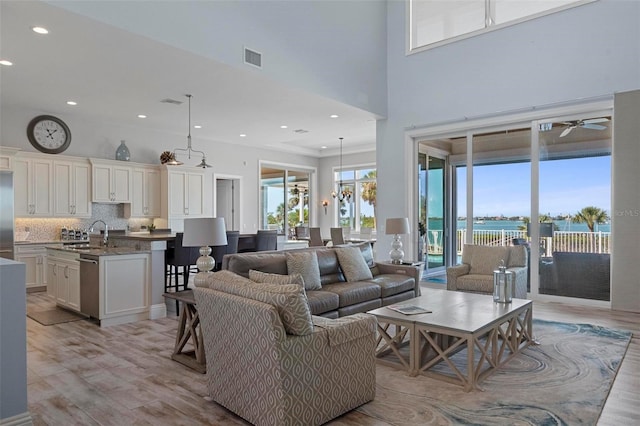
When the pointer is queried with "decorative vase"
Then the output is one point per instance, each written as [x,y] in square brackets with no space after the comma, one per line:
[122,153]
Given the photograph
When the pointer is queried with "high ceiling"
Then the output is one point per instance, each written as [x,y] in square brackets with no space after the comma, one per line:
[114,75]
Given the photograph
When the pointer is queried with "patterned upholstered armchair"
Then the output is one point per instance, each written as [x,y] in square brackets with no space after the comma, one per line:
[475,273]
[272,363]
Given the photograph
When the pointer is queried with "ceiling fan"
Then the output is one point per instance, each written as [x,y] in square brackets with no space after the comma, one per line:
[587,124]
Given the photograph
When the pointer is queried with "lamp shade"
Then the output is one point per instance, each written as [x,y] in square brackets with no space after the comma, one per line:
[397,225]
[204,231]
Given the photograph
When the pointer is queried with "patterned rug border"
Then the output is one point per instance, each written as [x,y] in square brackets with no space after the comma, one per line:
[561,381]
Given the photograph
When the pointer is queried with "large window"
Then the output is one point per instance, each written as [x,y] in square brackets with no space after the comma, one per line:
[359,210]
[434,22]
[284,196]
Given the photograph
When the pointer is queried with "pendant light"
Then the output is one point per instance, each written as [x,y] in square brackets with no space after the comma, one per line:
[189,150]
[343,194]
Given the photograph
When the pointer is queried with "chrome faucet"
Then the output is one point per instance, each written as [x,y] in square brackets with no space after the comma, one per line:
[105,239]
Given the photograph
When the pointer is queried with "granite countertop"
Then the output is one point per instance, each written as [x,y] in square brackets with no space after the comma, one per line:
[41,242]
[98,251]
[146,236]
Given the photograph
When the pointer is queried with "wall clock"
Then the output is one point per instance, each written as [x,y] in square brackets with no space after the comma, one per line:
[49,134]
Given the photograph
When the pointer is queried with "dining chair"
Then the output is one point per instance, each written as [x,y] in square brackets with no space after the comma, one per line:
[315,238]
[302,232]
[337,236]
[218,252]
[266,240]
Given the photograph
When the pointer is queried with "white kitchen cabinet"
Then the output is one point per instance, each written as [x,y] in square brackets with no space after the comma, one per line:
[34,256]
[123,288]
[111,182]
[33,183]
[145,193]
[64,275]
[72,188]
[185,193]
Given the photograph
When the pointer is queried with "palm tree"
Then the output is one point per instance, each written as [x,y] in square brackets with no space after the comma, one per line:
[590,215]
[369,192]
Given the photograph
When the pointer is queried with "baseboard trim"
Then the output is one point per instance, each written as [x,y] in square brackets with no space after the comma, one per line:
[23,419]
[158,311]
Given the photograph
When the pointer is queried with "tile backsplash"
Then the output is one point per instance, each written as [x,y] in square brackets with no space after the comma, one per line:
[48,229]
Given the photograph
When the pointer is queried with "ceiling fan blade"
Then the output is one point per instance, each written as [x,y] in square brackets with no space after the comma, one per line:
[566,131]
[596,120]
[594,126]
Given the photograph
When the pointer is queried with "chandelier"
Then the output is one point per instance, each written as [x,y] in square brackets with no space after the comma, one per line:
[344,193]
[173,161]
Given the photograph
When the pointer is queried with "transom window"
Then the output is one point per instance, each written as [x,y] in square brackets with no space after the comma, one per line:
[436,22]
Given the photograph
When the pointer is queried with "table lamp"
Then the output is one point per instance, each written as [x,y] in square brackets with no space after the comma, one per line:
[397,226]
[204,232]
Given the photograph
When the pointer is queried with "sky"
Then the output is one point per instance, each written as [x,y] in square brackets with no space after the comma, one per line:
[566,186]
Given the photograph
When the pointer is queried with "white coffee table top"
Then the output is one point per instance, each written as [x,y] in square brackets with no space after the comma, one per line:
[455,310]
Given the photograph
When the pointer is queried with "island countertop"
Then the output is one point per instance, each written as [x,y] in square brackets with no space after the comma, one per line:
[98,251]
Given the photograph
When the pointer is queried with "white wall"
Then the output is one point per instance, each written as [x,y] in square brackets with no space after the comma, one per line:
[589,51]
[626,201]
[333,48]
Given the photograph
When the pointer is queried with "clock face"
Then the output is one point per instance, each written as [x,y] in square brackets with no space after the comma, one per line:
[49,134]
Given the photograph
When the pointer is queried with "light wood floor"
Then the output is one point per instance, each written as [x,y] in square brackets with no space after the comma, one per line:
[80,374]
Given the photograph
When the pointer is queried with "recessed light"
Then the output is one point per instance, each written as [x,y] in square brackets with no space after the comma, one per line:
[142,116]
[242,135]
[323,147]
[197,126]
[40,30]
[73,103]
[5,62]
[283,127]
[333,116]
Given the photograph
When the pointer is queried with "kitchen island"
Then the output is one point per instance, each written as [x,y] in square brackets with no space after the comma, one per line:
[109,284]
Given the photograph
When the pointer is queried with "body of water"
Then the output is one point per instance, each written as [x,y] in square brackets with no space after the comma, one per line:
[493,225]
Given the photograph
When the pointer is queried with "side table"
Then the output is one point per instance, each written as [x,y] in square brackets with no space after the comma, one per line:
[188,329]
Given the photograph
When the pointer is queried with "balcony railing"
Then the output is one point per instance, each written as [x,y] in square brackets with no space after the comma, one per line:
[580,242]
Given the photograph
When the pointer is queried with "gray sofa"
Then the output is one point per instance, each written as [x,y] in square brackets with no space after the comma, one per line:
[337,297]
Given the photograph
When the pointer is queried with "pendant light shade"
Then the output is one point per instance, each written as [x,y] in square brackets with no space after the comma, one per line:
[173,161]
[343,194]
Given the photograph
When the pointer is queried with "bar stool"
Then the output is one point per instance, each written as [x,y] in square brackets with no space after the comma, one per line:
[181,257]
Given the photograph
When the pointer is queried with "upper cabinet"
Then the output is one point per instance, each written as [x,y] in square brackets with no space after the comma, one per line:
[111,181]
[145,193]
[184,193]
[72,188]
[35,198]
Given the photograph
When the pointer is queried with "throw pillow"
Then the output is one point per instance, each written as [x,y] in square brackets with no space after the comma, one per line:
[265,277]
[305,263]
[485,260]
[352,263]
[289,300]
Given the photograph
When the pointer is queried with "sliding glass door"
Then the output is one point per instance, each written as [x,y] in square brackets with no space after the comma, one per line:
[554,173]
[284,197]
[432,210]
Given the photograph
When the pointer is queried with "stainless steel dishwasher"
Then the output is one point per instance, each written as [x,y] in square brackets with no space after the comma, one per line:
[89,285]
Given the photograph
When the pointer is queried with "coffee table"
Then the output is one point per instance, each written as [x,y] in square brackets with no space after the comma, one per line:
[490,333]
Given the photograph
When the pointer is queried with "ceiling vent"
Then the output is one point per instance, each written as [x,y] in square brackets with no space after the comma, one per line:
[300,131]
[171,101]
[251,57]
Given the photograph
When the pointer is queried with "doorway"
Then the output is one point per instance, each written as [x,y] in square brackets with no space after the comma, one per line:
[227,200]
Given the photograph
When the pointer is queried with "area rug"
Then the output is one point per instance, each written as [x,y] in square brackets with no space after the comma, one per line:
[564,380]
[54,316]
